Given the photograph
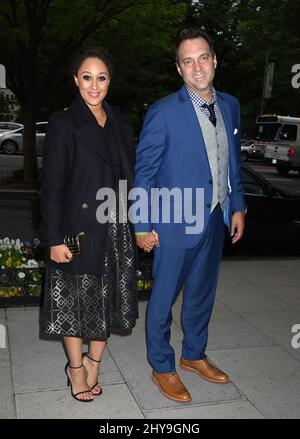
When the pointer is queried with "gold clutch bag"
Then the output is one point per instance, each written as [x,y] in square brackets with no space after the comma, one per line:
[73,242]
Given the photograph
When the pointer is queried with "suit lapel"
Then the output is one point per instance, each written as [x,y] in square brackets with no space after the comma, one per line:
[226,113]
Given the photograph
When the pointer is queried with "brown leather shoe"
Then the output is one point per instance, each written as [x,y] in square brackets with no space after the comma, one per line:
[205,369]
[171,386]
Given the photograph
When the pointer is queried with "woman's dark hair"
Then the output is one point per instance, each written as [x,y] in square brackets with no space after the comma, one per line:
[191,34]
[91,52]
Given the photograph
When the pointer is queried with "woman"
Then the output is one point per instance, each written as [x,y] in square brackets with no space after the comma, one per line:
[88,147]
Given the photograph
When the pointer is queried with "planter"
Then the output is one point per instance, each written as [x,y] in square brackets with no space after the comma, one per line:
[20,286]
[23,286]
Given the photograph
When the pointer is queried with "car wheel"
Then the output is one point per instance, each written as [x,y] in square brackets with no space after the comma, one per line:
[244,156]
[282,169]
[9,147]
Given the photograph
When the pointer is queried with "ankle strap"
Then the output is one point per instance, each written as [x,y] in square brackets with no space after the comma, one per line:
[90,358]
[74,367]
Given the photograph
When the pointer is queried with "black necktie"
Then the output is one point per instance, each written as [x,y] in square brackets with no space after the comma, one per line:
[212,114]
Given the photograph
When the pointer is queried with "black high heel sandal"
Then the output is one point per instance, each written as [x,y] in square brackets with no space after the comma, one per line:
[69,384]
[85,354]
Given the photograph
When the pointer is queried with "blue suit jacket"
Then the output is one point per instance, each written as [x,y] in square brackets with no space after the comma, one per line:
[172,154]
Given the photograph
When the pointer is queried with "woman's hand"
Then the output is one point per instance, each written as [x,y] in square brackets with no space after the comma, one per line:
[60,254]
[148,241]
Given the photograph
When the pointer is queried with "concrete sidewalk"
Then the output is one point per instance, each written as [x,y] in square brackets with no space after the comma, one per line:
[258,303]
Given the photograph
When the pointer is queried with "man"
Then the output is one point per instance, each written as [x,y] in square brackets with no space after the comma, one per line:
[190,139]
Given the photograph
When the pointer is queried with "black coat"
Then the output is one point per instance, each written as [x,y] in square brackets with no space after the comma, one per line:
[75,167]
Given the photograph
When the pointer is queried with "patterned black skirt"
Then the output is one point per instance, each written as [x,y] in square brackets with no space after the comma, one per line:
[90,306]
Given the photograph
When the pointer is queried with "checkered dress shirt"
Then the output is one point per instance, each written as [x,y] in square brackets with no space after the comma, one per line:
[198,101]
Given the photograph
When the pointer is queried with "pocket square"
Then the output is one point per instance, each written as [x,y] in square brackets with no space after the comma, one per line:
[235,131]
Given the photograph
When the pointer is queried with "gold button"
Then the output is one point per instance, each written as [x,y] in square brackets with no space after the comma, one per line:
[84,206]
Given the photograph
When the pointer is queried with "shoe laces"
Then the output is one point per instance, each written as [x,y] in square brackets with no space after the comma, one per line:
[174,377]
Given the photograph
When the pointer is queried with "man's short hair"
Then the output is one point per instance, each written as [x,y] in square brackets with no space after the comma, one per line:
[190,34]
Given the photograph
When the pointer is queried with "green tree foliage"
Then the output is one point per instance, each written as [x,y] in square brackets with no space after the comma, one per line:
[36,38]
[244,31]
[141,41]
[4,107]
[271,27]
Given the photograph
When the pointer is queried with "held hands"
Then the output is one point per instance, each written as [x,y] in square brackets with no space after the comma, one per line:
[237,226]
[148,241]
[60,254]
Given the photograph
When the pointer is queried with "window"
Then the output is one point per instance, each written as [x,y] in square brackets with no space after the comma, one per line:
[252,185]
[288,132]
[266,132]
[13,126]
[9,126]
[41,128]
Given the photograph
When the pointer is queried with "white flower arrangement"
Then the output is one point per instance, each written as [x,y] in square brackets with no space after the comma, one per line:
[17,254]
[22,256]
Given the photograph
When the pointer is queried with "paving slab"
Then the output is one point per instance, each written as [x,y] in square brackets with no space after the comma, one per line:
[228,410]
[2,315]
[278,327]
[39,364]
[4,347]
[227,328]
[289,295]
[116,402]
[249,338]
[131,358]
[247,296]
[268,376]
[268,272]
[7,406]
[7,403]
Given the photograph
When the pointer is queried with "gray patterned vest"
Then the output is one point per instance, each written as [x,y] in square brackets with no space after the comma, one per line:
[216,143]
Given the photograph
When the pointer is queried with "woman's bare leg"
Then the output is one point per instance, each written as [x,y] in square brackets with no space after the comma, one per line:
[95,352]
[77,377]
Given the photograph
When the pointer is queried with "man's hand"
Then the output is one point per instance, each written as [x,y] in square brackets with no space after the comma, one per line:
[60,254]
[237,226]
[148,241]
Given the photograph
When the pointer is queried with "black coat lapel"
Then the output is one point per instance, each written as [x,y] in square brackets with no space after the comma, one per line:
[88,130]
[122,131]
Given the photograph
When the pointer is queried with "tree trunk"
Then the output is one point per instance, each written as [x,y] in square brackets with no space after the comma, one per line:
[29,142]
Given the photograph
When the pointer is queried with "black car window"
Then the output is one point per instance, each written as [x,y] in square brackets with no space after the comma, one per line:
[288,132]
[266,132]
[252,185]
[41,128]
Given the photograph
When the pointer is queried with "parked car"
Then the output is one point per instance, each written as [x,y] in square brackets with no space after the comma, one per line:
[272,222]
[284,156]
[9,126]
[272,219]
[12,141]
[251,149]
[247,150]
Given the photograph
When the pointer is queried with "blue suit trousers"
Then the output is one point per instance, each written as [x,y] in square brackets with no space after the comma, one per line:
[197,270]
